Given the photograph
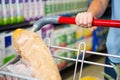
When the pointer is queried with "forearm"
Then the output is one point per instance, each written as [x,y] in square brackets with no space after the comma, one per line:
[98,7]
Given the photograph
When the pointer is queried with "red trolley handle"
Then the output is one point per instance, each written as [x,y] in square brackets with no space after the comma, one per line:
[96,22]
[71,20]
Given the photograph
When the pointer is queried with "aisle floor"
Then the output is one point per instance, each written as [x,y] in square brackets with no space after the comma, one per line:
[88,70]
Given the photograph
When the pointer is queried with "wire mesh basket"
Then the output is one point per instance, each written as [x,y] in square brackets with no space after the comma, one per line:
[7,75]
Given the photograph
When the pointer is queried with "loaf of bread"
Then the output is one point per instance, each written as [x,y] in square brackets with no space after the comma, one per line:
[35,54]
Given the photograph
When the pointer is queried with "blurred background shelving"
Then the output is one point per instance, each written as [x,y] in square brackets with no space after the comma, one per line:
[27,12]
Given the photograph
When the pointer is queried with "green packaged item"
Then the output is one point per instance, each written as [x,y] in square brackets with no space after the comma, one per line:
[8,58]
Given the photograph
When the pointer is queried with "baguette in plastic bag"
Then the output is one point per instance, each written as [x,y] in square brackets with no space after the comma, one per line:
[35,54]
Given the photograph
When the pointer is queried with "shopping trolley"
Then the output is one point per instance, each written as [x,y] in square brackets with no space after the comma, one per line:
[65,20]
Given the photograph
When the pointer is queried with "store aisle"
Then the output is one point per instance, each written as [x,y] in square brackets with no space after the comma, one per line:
[88,70]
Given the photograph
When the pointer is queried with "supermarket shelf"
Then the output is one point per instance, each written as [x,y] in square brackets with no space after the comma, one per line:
[30,23]
[15,26]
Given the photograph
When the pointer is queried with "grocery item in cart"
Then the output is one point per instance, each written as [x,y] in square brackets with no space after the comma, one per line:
[17,69]
[35,54]
[89,78]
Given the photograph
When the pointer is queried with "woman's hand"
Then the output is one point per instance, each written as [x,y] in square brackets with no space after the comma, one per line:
[85,20]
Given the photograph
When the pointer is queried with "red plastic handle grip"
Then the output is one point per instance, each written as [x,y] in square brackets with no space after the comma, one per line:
[96,22]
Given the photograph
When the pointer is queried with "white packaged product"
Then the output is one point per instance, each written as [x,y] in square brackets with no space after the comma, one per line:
[2,47]
[5,12]
[13,13]
[35,6]
[1,13]
[19,8]
[9,50]
[41,8]
[26,10]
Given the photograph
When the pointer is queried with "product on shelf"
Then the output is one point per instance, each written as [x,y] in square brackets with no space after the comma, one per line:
[46,31]
[88,38]
[62,7]
[13,12]
[41,8]
[64,36]
[32,8]
[9,50]
[61,63]
[1,14]
[18,11]
[35,9]
[6,49]
[70,32]
[87,32]
[5,12]
[99,39]
[59,38]
[79,33]
[8,58]
[19,8]
[2,47]
[36,55]
[70,54]
[26,10]
[89,43]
